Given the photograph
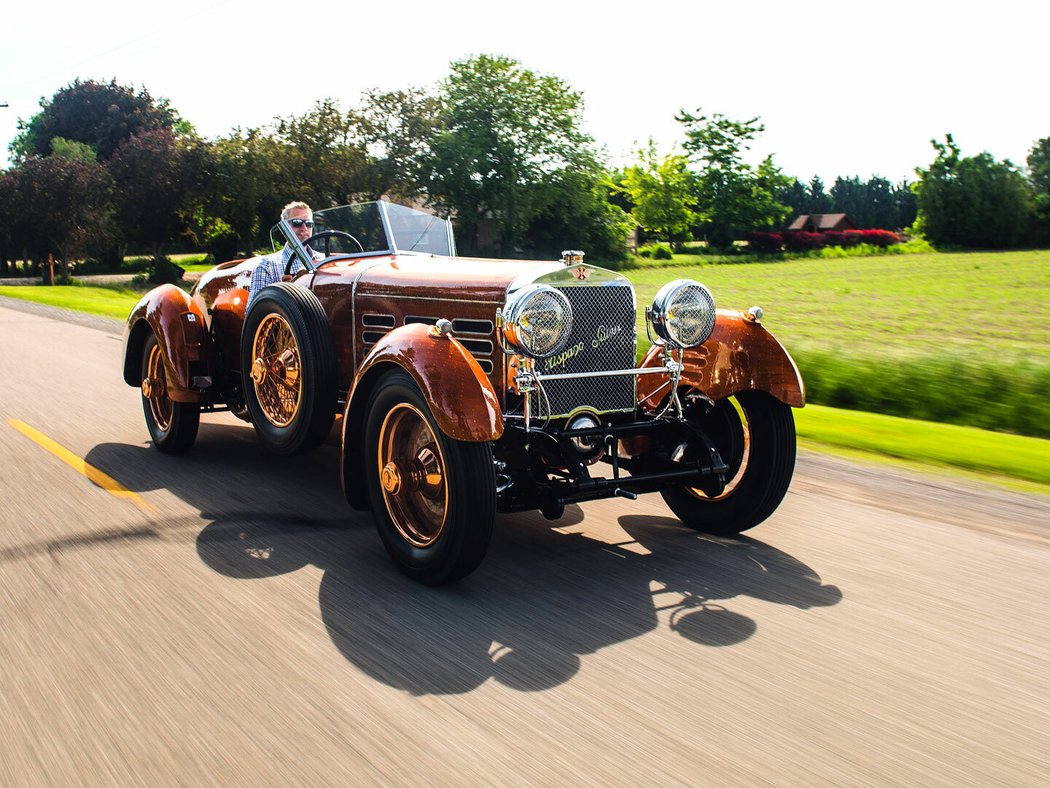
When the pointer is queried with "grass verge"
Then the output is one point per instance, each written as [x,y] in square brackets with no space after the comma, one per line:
[114,302]
[944,445]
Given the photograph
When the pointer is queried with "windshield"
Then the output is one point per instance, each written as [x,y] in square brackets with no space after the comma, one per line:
[379,227]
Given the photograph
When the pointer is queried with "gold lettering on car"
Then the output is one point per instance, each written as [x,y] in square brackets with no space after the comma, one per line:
[562,358]
[603,334]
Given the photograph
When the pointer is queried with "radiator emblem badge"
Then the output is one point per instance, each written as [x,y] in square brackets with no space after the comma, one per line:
[562,358]
[604,334]
[581,272]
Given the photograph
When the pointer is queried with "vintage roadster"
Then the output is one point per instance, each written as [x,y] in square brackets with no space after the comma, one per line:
[465,387]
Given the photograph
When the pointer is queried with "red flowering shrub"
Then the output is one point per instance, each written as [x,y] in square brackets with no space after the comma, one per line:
[878,237]
[764,243]
[799,241]
[837,238]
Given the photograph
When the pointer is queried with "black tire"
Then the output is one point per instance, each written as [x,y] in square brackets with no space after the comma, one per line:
[288,368]
[172,425]
[433,498]
[755,435]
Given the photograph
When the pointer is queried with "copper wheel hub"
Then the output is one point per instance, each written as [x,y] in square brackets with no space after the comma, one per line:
[276,370]
[412,475]
[155,390]
[390,478]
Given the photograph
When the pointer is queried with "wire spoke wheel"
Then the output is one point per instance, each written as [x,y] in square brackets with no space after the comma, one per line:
[277,370]
[412,475]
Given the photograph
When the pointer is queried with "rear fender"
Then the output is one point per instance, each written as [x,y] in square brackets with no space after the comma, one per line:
[740,355]
[453,384]
[180,329]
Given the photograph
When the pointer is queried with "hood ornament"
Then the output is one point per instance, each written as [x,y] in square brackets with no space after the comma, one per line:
[574,257]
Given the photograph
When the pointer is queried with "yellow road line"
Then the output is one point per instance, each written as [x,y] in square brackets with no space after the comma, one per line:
[107,483]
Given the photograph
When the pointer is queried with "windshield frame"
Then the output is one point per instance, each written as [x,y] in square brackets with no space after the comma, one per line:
[383,207]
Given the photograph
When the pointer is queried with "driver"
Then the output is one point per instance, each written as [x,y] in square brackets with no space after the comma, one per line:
[271,267]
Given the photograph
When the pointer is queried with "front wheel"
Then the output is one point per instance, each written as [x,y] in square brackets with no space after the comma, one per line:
[433,497]
[172,425]
[755,436]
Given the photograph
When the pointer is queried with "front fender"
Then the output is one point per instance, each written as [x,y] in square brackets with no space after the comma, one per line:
[461,398]
[180,329]
[455,387]
[740,355]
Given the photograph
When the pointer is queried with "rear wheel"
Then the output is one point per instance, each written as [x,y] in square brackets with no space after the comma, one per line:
[172,425]
[433,497]
[288,368]
[755,436]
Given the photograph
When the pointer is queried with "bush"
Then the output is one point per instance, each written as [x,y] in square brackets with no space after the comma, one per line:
[136,264]
[96,265]
[846,239]
[799,241]
[764,243]
[880,238]
[220,241]
[656,252]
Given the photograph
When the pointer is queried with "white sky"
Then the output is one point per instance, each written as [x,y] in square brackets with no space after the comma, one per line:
[843,88]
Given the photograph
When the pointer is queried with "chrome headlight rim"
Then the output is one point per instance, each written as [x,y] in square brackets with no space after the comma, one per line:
[670,314]
[516,320]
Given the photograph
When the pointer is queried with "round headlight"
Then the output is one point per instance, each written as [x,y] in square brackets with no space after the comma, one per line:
[683,313]
[537,321]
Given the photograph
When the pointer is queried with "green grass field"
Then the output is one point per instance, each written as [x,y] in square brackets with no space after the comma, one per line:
[961,338]
[990,303]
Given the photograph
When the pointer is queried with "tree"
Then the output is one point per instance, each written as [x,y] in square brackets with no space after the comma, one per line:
[1039,176]
[580,215]
[69,200]
[796,197]
[102,115]
[974,201]
[71,149]
[819,201]
[662,191]
[396,130]
[156,177]
[733,197]
[506,133]
[321,158]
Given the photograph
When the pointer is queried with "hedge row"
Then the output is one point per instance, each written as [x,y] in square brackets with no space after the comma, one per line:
[953,389]
[797,241]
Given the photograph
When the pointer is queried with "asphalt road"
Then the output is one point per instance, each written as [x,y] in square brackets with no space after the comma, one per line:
[230,621]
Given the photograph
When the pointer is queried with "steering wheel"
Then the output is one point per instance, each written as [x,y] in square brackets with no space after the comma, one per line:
[331,234]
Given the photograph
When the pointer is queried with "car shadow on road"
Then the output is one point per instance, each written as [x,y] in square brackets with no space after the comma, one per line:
[546,594]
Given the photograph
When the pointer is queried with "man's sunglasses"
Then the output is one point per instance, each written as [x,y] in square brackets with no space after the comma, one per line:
[300,222]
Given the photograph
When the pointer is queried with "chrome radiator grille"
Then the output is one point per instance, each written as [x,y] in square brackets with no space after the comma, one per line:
[602,339]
